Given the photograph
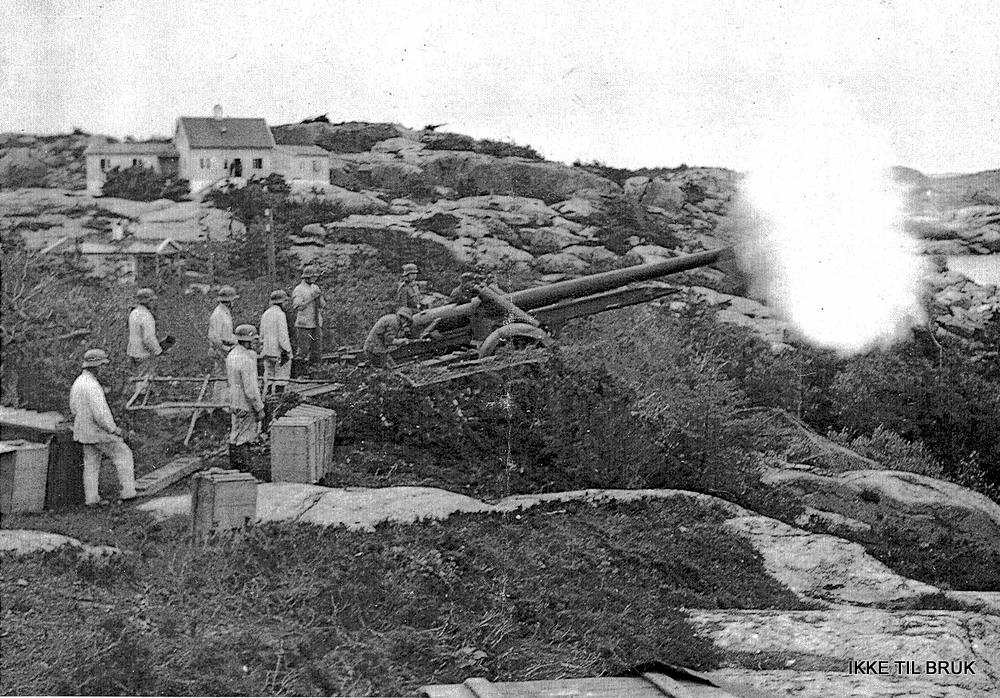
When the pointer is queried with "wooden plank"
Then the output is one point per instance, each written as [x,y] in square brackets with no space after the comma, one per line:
[180,405]
[172,472]
[194,415]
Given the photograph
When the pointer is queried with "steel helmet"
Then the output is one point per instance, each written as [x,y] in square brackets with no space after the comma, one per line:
[279,296]
[309,271]
[145,295]
[228,293]
[405,313]
[410,268]
[95,357]
[245,333]
[468,276]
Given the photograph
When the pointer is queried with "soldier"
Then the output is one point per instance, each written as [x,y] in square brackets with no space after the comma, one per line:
[308,301]
[94,428]
[466,290]
[143,346]
[388,331]
[245,403]
[408,290]
[276,349]
[220,337]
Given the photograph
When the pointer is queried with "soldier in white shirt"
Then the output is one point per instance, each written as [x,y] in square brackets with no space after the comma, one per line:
[245,403]
[308,302]
[220,338]
[95,429]
[143,346]
[276,348]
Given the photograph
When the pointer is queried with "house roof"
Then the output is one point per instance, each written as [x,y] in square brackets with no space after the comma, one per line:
[208,132]
[163,150]
[127,246]
[304,150]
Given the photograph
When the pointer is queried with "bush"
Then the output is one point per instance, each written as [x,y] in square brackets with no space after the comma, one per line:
[140,183]
[891,451]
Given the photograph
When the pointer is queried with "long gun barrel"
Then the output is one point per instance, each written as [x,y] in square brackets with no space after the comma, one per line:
[531,298]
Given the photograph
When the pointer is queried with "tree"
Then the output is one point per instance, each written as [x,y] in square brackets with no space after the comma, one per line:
[140,183]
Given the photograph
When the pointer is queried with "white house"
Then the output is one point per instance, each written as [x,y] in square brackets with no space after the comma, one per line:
[303,162]
[217,147]
[207,149]
[104,157]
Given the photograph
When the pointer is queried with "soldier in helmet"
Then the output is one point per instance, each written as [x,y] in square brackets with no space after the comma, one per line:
[276,349]
[308,302]
[245,403]
[94,428]
[466,289]
[388,332]
[220,337]
[408,292]
[143,345]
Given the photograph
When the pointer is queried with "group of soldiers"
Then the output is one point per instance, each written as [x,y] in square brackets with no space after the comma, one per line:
[234,354]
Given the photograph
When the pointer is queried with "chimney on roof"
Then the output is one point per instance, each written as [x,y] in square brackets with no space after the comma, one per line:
[217,112]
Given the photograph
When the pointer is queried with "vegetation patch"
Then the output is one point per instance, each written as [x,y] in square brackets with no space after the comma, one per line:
[560,590]
[949,547]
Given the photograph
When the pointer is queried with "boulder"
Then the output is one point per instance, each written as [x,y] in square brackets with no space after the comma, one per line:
[646,254]
[490,252]
[20,542]
[350,202]
[655,192]
[579,210]
[548,239]
[592,254]
[535,210]
[397,145]
[561,263]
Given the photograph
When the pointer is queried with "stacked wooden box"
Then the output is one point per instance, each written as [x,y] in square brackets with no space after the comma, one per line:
[302,444]
[64,486]
[222,500]
[23,468]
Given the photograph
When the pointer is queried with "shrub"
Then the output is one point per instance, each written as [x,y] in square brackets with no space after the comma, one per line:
[140,183]
[247,250]
[891,451]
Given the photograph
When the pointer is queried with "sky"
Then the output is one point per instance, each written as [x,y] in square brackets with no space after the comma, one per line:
[626,83]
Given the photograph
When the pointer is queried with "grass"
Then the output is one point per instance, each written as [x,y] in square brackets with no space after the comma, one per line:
[949,547]
[561,590]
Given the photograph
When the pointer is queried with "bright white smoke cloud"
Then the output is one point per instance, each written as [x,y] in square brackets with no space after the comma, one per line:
[827,244]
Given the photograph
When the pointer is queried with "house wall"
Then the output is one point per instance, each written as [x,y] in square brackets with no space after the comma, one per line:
[96,175]
[310,168]
[202,166]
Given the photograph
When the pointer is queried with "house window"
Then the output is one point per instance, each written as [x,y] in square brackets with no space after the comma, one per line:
[302,166]
[135,162]
[104,164]
[226,165]
[258,163]
[315,165]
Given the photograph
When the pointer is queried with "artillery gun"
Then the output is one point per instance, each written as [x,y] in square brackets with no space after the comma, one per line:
[468,335]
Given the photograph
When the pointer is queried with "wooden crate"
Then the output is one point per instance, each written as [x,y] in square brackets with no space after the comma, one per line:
[328,431]
[23,468]
[302,444]
[222,500]
[64,486]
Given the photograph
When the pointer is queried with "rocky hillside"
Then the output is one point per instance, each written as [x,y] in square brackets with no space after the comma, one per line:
[500,206]
[42,161]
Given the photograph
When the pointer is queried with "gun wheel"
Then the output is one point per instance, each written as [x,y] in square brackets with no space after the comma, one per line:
[517,335]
